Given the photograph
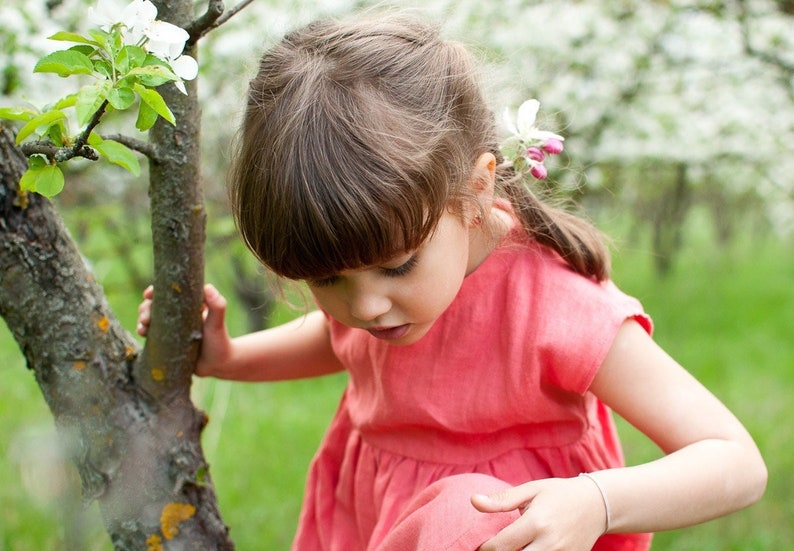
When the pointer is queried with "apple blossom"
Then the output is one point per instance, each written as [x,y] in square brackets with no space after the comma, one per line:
[140,26]
[528,142]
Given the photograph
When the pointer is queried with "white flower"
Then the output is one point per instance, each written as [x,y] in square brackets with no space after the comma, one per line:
[141,26]
[136,17]
[105,15]
[524,127]
[166,41]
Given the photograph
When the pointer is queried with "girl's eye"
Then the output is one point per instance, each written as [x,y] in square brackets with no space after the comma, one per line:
[324,282]
[402,269]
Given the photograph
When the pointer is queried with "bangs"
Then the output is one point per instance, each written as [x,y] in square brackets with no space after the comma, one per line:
[335,202]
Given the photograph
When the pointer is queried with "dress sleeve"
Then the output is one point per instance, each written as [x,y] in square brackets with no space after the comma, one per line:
[579,321]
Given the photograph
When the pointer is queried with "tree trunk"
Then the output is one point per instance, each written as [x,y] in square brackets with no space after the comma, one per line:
[124,414]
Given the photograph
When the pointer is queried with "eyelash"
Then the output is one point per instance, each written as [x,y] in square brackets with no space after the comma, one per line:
[401,270]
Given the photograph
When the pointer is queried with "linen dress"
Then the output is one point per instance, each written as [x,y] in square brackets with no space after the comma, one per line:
[495,395]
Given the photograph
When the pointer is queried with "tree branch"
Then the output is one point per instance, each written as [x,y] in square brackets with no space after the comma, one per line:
[58,154]
[213,18]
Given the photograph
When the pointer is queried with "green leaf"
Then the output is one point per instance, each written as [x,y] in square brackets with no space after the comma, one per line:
[153,99]
[84,49]
[64,36]
[65,63]
[146,117]
[90,99]
[104,68]
[121,98]
[130,57]
[66,102]
[47,181]
[50,182]
[56,132]
[119,154]
[46,118]
[153,75]
[16,113]
[37,162]
[101,38]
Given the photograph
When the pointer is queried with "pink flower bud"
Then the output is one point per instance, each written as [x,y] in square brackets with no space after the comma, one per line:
[536,154]
[539,171]
[553,146]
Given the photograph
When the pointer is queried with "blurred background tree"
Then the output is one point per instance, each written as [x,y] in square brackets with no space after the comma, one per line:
[676,113]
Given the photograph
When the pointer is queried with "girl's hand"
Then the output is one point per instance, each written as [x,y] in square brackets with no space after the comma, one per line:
[556,513]
[216,345]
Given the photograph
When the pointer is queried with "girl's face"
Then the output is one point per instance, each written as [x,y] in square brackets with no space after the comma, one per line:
[399,301]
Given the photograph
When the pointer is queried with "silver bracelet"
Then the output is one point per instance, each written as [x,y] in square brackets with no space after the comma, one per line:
[603,496]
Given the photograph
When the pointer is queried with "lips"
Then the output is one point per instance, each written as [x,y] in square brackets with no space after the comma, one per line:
[389,333]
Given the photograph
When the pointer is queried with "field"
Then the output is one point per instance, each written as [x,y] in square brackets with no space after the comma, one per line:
[727,315]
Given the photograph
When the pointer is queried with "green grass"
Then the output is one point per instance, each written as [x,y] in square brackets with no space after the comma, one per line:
[728,316]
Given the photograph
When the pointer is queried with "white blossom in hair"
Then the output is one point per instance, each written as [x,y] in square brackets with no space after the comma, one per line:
[527,144]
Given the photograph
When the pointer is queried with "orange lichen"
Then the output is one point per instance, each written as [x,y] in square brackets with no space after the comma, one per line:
[129,352]
[154,543]
[79,365]
[176,287]
[172,515]
[158,374]
[103,324]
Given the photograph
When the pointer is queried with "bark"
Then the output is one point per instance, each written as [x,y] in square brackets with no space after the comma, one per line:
[124,414]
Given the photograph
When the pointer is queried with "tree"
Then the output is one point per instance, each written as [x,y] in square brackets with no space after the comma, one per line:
[124,413]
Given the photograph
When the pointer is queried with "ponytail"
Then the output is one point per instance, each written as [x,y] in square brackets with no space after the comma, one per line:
[577,241]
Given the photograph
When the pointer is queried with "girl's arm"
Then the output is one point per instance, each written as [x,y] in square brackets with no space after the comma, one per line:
[711,468]
[295,350]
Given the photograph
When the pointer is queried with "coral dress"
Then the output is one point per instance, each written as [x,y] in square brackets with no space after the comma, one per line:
[495,395]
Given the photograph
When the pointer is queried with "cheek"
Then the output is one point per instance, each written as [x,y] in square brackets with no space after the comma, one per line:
[326,301]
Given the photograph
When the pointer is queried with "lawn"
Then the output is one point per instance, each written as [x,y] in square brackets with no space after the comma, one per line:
[727,315]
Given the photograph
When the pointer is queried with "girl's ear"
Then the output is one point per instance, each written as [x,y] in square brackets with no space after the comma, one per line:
[482,183]
[483,176]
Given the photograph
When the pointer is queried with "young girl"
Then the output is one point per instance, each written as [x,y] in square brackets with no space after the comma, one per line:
[484,341]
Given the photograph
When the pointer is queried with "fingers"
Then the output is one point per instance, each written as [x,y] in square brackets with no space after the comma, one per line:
[144,316]
[507,500]
[214,301]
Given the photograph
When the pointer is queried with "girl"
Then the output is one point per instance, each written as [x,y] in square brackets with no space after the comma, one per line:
[484,342]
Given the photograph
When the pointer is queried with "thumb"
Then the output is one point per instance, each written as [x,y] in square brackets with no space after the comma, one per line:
[216,308]
[517,497]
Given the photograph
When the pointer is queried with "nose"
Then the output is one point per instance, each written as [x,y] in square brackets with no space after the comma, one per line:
[368,300]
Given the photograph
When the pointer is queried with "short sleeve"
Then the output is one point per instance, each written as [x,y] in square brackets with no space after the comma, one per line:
[580,319]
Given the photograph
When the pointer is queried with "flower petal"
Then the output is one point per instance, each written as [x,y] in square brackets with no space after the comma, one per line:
[526,117]
[138,14]
[507,118]
[185,67]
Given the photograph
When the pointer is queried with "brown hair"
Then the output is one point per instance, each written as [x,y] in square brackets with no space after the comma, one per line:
[357,136]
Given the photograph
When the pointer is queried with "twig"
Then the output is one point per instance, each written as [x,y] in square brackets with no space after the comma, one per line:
[83,138]
[79,149]
[140,146]
[199,27]
[213,18]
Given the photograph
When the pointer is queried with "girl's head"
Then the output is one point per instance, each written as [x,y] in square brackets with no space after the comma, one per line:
[357,136]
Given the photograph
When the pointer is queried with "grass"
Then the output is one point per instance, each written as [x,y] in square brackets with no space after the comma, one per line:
[728,316]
